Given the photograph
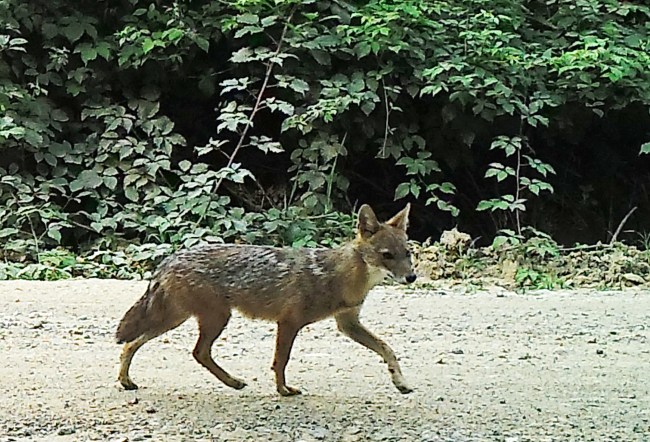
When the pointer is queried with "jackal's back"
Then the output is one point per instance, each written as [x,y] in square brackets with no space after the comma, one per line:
[266,282]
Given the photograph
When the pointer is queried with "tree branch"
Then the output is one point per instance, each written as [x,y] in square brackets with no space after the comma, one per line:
[257,107]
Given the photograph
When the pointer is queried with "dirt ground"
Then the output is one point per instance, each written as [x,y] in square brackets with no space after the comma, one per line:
[485,366]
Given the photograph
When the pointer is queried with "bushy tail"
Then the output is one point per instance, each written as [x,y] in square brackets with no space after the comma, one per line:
[143,316]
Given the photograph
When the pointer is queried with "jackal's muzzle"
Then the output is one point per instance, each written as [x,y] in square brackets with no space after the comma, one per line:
[410,278]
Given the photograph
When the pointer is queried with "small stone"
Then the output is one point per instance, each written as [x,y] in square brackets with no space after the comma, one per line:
[64,431]
[319,433]
[634,278]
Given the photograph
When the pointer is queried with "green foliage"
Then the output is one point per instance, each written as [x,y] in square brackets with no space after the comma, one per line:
[530,278]
[145,124]
[515,202]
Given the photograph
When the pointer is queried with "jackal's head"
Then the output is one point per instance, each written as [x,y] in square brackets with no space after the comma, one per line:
[383,246]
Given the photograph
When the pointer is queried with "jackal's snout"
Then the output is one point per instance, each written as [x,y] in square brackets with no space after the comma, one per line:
[401,270]
[410,278]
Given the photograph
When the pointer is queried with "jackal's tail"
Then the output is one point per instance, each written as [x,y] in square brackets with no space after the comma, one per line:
[144,317]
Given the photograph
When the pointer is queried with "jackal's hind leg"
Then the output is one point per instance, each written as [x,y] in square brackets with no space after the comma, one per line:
[348,323]
[130,348]
[126,357]
[210,327]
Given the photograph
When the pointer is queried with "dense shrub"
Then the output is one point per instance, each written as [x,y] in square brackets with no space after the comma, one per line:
[169,123]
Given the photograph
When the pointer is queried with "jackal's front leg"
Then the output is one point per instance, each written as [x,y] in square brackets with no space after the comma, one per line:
[348,323]
[286,335]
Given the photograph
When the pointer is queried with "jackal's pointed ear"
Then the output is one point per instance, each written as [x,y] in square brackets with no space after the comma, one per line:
[368,224]
[401,220]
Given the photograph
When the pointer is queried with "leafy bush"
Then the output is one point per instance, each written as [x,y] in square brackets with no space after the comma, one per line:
[139,124]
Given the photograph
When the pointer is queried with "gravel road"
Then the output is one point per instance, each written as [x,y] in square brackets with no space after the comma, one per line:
[549,366]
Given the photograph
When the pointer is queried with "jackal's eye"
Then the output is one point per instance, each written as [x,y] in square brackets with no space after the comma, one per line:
[387,255]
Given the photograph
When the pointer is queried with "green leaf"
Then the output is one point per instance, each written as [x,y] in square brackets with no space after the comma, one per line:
[491,172]
[147,45]
[89,179]
[8,231]
[50,159]
[415,190]
[298,85]
[248,30]
[73,31]
[362,49]
[173,34]
[110,182]
[402,190]
[243,55]
[499,241]
[55,234]
[50,30]
[248,19]
[184,165]
[448,188]
[15,132]
[269,21]
[323,58]
[76,185]
[367,107]
[88,53]
[286,108]
[634,40]
[132,194]
[310,201]
[59,115]
[645,148]
[202,43]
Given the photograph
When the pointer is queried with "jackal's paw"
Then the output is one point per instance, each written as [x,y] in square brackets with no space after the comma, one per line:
[237,384]
[128,384]
[404,389]
[288,391]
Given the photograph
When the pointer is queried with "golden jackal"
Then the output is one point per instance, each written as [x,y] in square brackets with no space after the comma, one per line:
[293,287]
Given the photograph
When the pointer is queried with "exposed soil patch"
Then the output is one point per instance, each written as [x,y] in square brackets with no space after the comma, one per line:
[487,366]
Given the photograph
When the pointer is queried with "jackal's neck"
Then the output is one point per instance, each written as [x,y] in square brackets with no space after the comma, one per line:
[367,275]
